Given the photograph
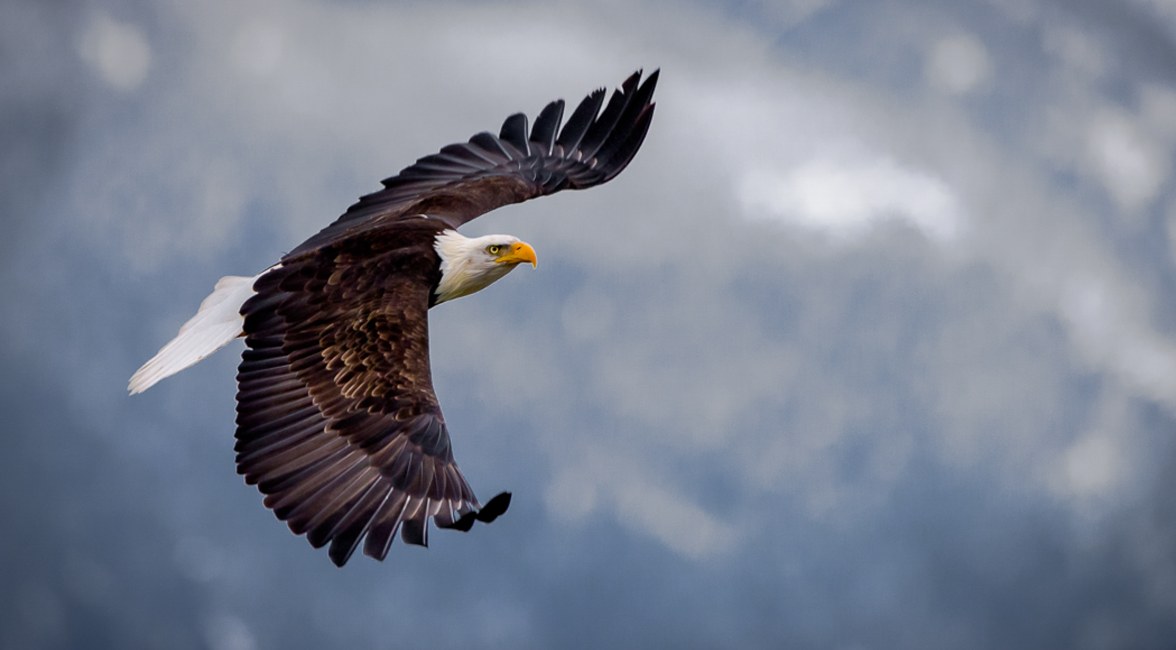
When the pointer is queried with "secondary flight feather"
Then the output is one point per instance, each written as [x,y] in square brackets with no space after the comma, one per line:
[337,421]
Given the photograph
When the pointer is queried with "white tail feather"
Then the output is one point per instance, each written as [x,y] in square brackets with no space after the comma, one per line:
[217,322]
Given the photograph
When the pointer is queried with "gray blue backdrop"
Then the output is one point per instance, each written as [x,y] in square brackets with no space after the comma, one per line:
[873,345]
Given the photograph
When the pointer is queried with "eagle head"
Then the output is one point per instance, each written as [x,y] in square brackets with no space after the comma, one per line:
[470,264]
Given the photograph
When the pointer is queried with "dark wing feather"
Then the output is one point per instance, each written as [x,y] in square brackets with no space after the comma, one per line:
[582,118]
[514,133]
[468,179]
[547,127]
[337,421]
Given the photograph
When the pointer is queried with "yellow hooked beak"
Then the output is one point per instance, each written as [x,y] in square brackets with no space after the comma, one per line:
[519,252]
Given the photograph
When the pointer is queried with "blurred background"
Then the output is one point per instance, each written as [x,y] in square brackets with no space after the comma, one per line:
[872,346]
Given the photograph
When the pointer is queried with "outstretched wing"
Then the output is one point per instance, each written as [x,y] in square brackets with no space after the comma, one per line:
[468,179]
[337,421]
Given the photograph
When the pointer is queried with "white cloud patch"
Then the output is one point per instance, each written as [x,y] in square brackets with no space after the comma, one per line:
[1131,164]
[1112,330]
[1078,49]
[674,521]
[1094,471]
[118,52]
[642,501]
[847,197]
[228,632]
[1092,466]
[958,64]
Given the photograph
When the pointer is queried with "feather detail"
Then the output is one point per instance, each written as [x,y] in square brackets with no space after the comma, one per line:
[217,322]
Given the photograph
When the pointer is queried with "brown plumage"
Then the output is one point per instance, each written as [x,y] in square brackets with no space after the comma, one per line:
[337,421]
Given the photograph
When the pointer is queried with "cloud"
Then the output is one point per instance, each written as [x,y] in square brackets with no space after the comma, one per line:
[643,503]
[1131,165]
[1080,50]
[845,198]
[228,632]
[118,52]
[1112,330]
[958,64]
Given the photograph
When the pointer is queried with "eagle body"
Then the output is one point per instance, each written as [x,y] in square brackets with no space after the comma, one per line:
[338,424]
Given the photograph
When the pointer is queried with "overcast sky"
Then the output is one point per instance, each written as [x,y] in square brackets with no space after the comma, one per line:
[872,346]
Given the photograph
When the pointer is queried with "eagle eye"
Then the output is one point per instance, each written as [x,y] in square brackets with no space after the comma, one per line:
[493,249]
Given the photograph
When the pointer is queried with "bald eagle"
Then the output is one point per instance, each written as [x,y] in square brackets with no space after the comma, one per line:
[337,421]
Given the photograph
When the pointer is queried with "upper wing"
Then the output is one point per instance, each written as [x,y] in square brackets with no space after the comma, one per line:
[468,179]
[337,421]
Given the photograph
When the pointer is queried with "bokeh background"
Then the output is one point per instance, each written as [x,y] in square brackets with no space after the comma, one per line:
[872,346]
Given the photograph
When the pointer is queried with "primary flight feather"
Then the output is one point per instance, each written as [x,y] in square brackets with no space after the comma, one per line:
[337,421]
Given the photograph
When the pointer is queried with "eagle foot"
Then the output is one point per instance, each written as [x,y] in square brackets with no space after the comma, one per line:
[489,512]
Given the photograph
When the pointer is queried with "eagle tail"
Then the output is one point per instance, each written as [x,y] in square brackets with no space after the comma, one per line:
[217,322]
